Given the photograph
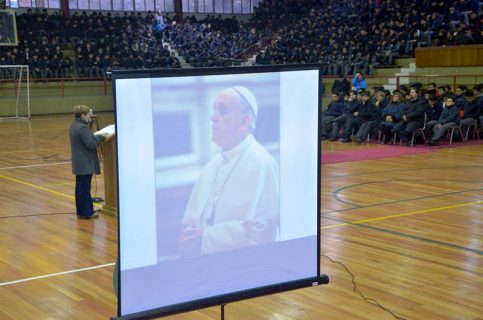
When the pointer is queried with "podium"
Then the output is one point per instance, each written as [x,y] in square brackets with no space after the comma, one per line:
[110,175]
[108,153]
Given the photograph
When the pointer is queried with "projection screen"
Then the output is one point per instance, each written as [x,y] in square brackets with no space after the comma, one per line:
[218,185]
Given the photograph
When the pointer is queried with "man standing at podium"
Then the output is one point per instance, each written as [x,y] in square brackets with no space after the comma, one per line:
[85,161]
[235,202]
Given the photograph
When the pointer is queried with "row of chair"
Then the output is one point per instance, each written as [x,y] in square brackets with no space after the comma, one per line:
[451,132]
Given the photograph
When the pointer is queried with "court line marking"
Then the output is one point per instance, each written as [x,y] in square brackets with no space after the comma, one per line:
[336,193]
[56,274]
[58,184]
[322,228]
[398,170]
[35,165]
[380,204]
[42,188]
[415,237]
[402,215]
[32,150]
[36,186]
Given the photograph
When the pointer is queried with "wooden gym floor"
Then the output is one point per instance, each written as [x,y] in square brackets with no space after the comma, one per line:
[409,229]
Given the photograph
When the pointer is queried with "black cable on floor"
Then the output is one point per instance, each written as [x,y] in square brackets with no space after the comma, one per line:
[48,158]
[39,214]
[355,290]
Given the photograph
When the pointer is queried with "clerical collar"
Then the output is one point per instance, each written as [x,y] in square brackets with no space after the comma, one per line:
[238,149]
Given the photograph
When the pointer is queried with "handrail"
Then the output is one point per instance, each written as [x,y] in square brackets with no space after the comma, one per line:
[243,55]
[61,81]
[373,80]
[261,44]
[430,78]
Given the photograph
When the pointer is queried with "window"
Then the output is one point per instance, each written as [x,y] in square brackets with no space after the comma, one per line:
[189,6]
[255,3]
[160,5]
[54,4]
[73,4]
[149,5]
[106,5]
[246,6]
[83,4]
[168,5]
[237,5]
[128,5]
[218,6]
[228,6]
[94,4]
[26,4]
[208,6]
[12,3]
[140,5]
[117,5]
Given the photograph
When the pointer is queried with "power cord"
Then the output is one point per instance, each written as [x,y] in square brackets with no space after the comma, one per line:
[95,198]
[49,158]
[38,215]
[355,290]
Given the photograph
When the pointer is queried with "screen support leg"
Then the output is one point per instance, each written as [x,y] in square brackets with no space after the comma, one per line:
[222,311]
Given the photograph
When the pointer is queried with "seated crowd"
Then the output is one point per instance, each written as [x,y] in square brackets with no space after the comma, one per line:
[355,115]
[100,41]
[347,36]
[212,41]
[344,36]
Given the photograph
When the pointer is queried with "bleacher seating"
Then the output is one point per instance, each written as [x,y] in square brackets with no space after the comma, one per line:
[345,36]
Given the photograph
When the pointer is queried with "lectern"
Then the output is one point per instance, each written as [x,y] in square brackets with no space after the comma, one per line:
[110,174]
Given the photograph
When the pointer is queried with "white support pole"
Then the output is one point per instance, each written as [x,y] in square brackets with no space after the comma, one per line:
[19,86]
[21,69]
[28,92]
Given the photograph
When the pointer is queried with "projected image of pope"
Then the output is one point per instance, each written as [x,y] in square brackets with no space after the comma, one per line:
[235,202]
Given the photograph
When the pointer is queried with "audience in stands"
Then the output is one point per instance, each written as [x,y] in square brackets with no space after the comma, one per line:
[345,36]
[100,41]
[210,42]
[352,36]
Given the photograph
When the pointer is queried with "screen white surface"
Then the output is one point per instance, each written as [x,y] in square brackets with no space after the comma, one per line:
[157,173]
[135,173]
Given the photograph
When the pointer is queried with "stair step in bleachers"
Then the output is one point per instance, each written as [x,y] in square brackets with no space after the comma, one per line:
[402,80]
[390,87]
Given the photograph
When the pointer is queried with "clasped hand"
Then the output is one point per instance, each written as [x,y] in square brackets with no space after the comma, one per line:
[190,240]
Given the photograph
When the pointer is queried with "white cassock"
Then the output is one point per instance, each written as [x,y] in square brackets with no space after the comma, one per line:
[236,199]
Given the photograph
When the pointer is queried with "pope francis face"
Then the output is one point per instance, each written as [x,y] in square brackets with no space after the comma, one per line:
[230,120]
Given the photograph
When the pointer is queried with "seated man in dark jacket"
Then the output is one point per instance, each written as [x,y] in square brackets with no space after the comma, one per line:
[362,114]
[449,118]
[341,86]
[471,110]
[433,112]
[351,106]
[435,107]
[412,118]
[334,110]
[374,120]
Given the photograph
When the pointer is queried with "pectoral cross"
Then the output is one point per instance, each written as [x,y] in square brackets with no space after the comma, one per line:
[211,219]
